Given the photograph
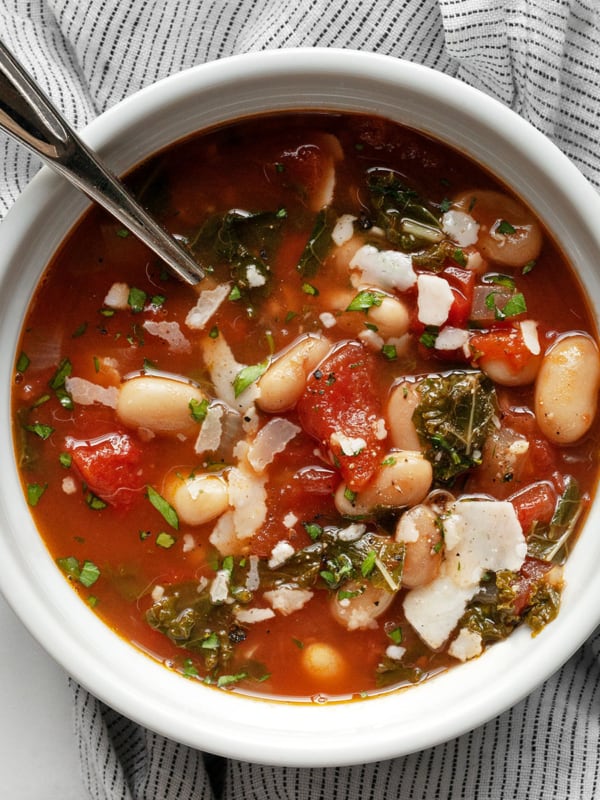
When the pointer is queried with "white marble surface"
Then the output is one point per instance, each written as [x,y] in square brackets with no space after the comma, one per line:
[38,751]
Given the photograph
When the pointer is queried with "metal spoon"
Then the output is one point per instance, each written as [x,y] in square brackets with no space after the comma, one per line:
[27,115]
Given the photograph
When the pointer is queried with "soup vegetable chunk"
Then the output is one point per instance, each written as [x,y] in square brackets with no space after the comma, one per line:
[356,454]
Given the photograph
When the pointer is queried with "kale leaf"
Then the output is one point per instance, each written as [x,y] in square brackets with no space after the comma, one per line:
[549,542]
[453,419]
[245,241]
[191,620]
[318,244]
[401,212]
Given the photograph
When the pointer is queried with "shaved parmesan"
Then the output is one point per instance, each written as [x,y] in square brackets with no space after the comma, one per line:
[290,520]
[271,439]
[407,530]
[211,431]
[350,446]
[280,554]
[68,485]
[286,599]
[170,332]
[223,369]
[117,297]
[372,339]
[380,429]
[434,610]
[530,336]
[219,588]
[248,497]
[482,535]
[479,535]
[434,300]
[450,338]
[323,191]
[252,615]
[467,644]
[157,593]
[86,393]
[223,535]
[460,227]
[395,652]
[388,269]
[253,576]
[343,230]
[254,276]
[352,532]
[208,302]
[327,319]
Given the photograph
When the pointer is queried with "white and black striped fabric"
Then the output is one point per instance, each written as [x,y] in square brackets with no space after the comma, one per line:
[541,57]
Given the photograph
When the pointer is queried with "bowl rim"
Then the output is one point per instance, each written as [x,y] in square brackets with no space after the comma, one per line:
[237,726]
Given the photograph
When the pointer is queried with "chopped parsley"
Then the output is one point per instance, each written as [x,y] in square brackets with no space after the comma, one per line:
[198,409]
[35,492]
[247,376]
[165,540]
[164,508]
[365,300]
[87,573]
[136,300]
[41,430]
[23,362]
[505,228]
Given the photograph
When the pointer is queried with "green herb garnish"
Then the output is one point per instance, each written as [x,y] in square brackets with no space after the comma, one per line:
[41,430]
[165,540]
[35,492]
[23,362]
[198,409]
[453,419]
[365,300]
[136,299]
[164,508]
[247,376]
[505,228]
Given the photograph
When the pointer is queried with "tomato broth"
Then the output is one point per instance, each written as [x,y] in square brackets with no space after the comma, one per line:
[355,454]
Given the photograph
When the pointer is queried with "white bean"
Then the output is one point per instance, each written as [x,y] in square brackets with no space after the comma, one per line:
[566,389]
[403,479]
[403,400]
[285,379]
[511,356]
[362,610]
[502,373]
[158,404]
[390,318]
[323,661]
[509,233]
[199,498]
[419,530]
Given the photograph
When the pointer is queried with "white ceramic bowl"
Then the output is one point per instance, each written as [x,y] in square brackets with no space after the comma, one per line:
[221,722]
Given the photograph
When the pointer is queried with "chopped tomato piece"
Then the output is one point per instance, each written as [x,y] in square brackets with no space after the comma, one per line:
[111,466]
[543,456]
[341,410]
[304,166]
[503,344]
[317,480]
[461,283]
[534,503]
[530,573]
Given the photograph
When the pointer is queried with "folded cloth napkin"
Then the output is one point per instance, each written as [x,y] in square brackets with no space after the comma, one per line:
[541,57]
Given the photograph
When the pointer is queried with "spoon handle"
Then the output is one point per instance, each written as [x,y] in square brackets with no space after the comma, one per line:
[27,115]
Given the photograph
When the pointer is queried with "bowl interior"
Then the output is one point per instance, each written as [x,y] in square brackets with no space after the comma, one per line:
[257,729]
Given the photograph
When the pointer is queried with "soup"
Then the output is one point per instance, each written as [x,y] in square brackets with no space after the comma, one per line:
[356,454]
